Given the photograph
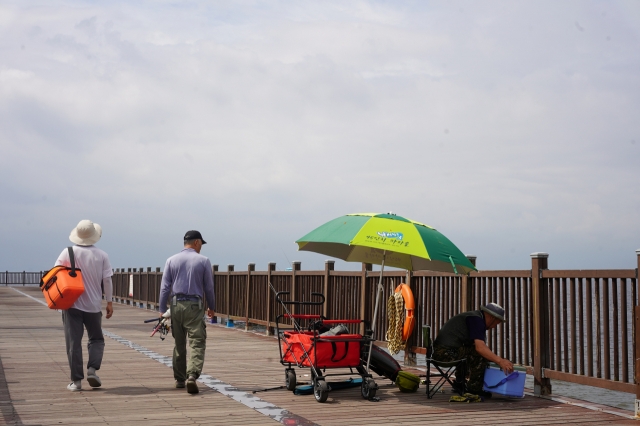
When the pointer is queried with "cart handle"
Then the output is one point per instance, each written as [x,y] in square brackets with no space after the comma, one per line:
[287,302]
[302,316]
[350,321]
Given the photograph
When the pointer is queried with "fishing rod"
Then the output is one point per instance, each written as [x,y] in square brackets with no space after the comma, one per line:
[163,326]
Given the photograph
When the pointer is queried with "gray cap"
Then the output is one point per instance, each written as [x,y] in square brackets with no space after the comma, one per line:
[494,309]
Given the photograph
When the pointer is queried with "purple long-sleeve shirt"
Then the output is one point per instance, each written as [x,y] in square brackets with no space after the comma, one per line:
[187,273]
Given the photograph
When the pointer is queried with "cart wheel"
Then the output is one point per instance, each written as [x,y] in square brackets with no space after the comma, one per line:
[320,390]
[368,388]
[290,379]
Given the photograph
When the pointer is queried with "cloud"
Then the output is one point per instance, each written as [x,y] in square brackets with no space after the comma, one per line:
[503,125]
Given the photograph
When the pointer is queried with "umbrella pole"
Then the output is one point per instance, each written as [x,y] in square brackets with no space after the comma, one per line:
[375,309]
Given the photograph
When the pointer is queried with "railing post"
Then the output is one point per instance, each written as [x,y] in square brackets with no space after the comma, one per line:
[140,292]
[636,339]
[147,302]
[136,286]
[151,285]
[228,296]
[328,267]
[295,266]
[540,299]
[24,278]
[466,291]
[250,268]
[129,286]
[115,281]
[366,268]
[270,268]
[214,269]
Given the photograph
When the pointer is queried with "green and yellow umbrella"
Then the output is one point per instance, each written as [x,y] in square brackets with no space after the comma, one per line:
[386,239]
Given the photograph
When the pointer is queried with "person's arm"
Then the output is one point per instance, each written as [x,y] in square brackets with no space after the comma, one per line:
[108,295]
[107,284]
[165,288]
[486,353]
[209,292]
[477,333]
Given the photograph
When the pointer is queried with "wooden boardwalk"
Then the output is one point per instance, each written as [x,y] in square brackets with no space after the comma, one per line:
[138,385]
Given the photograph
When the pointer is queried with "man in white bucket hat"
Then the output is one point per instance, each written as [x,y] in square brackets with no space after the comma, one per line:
[86,312]
[464,337]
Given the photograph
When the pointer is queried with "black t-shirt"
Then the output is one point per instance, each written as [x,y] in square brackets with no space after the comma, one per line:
[477,328]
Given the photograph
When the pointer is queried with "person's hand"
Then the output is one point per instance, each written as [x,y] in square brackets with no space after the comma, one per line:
[210,313]
[109,309]
[506,366]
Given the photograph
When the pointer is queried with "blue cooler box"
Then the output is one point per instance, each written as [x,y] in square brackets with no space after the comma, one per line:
[496,381]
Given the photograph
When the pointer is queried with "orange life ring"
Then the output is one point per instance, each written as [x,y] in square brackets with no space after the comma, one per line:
[409,306]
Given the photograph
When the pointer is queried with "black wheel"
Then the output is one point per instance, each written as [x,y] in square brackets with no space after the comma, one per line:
[290,379]
[320,390]
[368,388]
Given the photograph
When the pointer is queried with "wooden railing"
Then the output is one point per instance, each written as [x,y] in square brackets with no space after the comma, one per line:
[573,325]
[20,278]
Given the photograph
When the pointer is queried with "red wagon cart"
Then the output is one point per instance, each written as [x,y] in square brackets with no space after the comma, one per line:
[318,348]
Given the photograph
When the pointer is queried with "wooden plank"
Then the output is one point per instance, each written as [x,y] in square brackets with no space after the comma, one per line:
[589,320]
[139,390]
[524,273]
[606,325]
[624,331]
[590,273]
[572,315]
[614,330]
[590,381]
[565,330]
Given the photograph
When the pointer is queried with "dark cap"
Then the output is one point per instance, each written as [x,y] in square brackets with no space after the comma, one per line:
[494,309]
[194,235]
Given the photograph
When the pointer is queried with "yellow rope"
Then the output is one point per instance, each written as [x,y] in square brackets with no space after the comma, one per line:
[391,315]
[395,312]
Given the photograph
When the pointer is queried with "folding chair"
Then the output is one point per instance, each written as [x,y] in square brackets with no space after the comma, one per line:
[445,368]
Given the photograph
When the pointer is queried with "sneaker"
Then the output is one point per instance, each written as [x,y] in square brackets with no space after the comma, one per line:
[485,394]
[179,384]
[192,386]
[75,386]
[93,379]
[482,393]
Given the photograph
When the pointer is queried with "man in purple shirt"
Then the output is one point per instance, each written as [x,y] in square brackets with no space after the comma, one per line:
[464,337]
[186,282]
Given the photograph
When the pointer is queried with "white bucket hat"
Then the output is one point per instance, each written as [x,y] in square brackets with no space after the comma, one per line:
[86,233]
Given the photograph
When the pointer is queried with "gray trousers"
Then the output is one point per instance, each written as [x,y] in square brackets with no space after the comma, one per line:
[187,323]
[74,322]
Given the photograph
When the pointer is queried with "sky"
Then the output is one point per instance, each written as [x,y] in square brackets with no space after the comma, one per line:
[510,127]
